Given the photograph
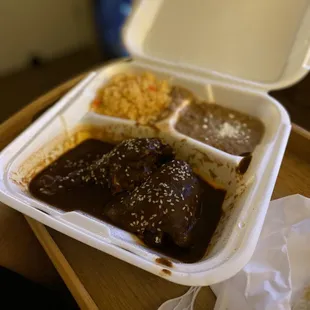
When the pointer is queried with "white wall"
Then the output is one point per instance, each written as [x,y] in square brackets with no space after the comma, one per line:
[49,28]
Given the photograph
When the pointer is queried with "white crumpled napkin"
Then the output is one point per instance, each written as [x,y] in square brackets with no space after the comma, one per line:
[278,275]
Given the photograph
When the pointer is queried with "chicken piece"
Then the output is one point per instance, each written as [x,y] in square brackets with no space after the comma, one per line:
[134,160]
[168,203]
[126,166]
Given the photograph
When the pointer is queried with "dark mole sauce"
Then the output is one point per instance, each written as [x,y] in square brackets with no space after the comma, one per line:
[92,199]
[244,164]
[211,211]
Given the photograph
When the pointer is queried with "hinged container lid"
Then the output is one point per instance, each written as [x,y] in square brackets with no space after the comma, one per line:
[264,44]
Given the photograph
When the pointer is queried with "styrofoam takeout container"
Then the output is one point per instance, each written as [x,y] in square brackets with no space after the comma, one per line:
[228,52]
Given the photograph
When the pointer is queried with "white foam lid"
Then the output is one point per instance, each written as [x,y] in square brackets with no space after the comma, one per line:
[263,44]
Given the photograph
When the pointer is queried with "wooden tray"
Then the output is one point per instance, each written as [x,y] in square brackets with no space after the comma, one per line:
[99,281]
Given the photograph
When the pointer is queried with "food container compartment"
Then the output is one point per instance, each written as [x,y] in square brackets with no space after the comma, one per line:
[113,130]
[237,76]
[70,123]
[255,104]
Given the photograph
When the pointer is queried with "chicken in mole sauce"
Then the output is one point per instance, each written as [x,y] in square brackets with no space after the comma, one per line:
[138,186]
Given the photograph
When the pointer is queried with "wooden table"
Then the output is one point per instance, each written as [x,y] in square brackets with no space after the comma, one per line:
[99,281]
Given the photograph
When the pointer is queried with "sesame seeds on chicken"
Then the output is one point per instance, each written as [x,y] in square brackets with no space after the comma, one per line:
[140,187]
[123,168]
[166,203]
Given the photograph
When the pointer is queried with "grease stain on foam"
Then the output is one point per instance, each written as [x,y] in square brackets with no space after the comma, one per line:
[212,174]
[165,272]
[204,157]
[164,261]
[64,125]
